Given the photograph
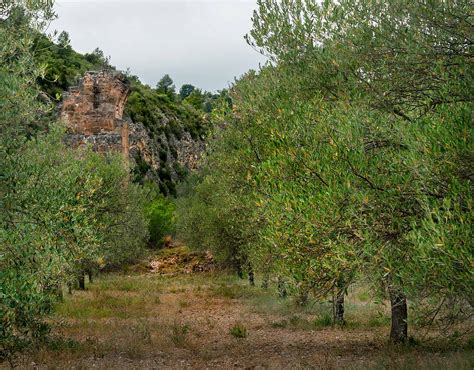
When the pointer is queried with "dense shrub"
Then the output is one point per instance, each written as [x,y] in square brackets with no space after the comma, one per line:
[67,211]
[160,213]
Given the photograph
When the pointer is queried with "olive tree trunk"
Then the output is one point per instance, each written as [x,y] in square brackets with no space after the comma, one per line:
[90,273]
[82,281]
[399,329]
[282,287]
[338,310]
[265,281]
[251,276]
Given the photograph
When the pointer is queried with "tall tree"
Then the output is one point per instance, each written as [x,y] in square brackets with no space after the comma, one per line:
[165,85]
[186,90]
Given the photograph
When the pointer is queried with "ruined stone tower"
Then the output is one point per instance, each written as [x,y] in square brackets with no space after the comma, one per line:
[93,112]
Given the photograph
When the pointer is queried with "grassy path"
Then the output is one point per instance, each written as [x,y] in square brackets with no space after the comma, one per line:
[213,320]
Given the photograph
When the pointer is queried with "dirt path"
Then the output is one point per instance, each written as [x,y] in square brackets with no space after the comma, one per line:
[151,321]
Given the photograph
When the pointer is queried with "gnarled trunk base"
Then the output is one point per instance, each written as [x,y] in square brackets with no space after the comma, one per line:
[339,307]
[399,330]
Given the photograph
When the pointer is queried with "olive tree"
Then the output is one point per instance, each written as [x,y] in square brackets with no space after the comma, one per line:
[62,209]
[390,73]
[351,153]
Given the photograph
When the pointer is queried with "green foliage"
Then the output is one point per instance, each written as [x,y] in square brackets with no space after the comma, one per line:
[141,168]
[62,65]
[179,333]
[54,229]
[238,331]
[62,210]
[186,90]
[160,213]
[195,99]
[167,120]
[209,217]
[165,85]
[157,112]
[350,157]
[323,321]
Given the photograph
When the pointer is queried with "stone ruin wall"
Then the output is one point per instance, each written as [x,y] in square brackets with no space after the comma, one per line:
[93,112]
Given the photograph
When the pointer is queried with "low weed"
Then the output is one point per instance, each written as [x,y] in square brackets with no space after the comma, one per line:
[56,343]
[238,331]
[103,304]
[229,291]
[323,321]
[178,333]
[279,324]
[298,322]
[142,330]
[127,283]
[379,320]
[182,303]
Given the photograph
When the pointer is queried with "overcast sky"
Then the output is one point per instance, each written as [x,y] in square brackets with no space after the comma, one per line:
[194,41]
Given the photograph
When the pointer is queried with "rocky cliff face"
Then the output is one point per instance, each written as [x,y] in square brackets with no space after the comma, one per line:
[93,113]
[165,159]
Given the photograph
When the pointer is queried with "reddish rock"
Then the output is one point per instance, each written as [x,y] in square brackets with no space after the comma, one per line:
[93,112]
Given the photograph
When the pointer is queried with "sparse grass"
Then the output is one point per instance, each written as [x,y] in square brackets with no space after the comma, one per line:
[127,283]
[143,330]
[173,252]
[178,333]
[379,320]
[57,344]
[279,324]
[233,291]
[299,322]
[323,321]
[183,303]
[177,290]
[406,358]
[470,342]
[99,304]
[238,331]
[303,323]
[138,317]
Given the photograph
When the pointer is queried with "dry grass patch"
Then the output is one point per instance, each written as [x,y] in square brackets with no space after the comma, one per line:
[200,320]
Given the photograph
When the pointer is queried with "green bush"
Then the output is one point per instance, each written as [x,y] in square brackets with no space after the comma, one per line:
[54,230]
[238,331]
[160,213]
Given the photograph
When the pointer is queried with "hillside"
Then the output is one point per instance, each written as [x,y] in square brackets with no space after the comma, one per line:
[170,128]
